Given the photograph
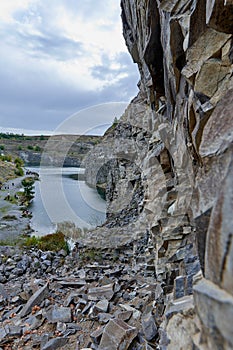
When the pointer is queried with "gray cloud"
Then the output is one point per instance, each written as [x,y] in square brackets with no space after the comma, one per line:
[122,61]
[35,96]
[47,44]
[37,99]
[89,9]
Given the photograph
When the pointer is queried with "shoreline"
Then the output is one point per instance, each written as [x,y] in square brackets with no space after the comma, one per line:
[12,223]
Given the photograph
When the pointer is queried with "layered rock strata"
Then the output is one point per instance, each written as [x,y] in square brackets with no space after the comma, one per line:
[169,174]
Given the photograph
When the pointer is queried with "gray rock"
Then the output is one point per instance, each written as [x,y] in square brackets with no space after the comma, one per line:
[75,326]
[61,327]
[3,292]
[98,293]
[33,322]
[180,305]
[72,297]
[149,327]
[35,299]
[3,333]
[102,305]
[24,263]
[136,313]
[55,343]
[62,252]
[14,331]
[72,283]
[215,308]
[18,272]
[125,315]
[87,307]
[58,314]
[97,334]
[117,335]
[179,289]
[103,317]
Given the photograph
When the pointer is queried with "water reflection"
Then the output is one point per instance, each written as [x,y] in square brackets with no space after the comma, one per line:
[60,197]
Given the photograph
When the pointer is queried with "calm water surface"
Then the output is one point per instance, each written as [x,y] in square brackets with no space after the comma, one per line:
[59,198]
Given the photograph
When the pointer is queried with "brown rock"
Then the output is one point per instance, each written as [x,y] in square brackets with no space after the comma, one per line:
[206,46]
[219,246]
[210,75]
[215,308]
[218,132]
[219,15]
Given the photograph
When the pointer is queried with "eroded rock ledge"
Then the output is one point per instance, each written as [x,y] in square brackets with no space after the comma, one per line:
[170,175]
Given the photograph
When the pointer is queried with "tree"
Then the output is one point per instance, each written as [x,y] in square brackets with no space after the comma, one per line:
[27,184]
[115,121]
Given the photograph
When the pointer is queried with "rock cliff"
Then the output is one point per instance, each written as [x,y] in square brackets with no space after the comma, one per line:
[167,166]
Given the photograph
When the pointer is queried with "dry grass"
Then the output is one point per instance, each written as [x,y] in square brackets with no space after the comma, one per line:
[7,171]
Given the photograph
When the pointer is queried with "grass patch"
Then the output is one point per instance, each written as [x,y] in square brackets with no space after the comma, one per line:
[9,217]
[12,242]
[51,242]
[91,255]
[5,209]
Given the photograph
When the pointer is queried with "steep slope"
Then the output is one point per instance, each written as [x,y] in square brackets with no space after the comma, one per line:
[169,167]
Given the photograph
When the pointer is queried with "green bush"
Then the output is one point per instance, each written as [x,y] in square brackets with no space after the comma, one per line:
[51,242]
[19,171]
[30,147]
[19,162]
[2,147]
[6,158]
[37,149]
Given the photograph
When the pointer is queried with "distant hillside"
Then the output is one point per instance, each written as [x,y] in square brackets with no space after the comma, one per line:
[31,148]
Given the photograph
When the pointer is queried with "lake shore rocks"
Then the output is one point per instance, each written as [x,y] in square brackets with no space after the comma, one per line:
[14,216]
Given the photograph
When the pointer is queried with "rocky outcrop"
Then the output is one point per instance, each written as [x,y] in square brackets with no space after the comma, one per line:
[170,177]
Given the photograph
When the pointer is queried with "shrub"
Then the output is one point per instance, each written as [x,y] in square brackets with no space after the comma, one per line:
[37,149]
[6,158]
[19,162]
[2,147]
[28,182]
[19,171]
[51,242]
[30,147]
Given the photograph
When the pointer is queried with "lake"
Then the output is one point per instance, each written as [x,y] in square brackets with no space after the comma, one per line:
[60,197]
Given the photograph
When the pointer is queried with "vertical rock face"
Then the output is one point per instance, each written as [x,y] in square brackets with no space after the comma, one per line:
[173,159]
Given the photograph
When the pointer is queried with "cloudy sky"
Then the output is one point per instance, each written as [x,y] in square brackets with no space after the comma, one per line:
[59,57]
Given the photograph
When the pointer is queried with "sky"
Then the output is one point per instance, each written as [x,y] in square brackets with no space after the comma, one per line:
[60,59]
